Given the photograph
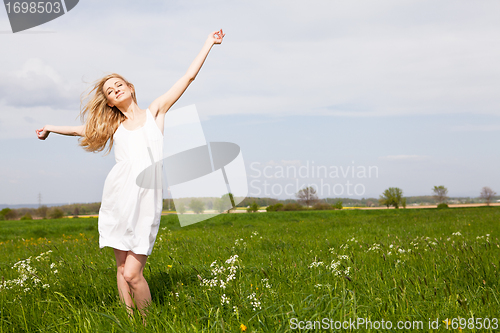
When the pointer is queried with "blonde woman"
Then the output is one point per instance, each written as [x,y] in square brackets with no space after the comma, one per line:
[129,216]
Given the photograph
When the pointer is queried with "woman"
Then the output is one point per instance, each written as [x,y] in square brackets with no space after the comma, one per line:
[129,216]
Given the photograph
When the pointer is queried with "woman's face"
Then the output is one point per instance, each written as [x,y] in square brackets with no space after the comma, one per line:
[116,91]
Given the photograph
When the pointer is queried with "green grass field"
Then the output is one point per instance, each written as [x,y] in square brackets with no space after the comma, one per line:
[266,272]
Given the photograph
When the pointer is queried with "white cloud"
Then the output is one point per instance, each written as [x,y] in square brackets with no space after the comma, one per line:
[37,84]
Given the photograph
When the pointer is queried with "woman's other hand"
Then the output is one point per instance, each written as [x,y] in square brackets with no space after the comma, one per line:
[42,133]
[216,36]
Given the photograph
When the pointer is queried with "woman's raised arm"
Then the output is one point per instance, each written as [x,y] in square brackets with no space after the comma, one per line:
[163,103]
[43,132]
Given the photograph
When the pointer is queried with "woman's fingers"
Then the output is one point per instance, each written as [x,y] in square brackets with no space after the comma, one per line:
[219,33]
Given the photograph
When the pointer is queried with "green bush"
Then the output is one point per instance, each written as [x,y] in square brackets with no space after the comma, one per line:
[253,208]
[442,205]
[27,216]
[292,206]
[275,208]
[322,206]
[8,214]
[338,205]
[56,213]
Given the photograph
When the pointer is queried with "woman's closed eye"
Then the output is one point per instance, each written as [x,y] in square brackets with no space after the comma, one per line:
[110,91]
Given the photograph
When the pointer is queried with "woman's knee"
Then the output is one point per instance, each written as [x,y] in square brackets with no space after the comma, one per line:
[120,270]
[132,276]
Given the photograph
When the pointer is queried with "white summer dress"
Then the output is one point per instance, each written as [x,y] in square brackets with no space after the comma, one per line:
[129,217]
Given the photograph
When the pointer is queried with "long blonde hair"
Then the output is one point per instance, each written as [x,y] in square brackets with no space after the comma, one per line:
[102,120]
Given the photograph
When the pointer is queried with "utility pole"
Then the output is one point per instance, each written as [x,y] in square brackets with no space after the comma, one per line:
[39,199]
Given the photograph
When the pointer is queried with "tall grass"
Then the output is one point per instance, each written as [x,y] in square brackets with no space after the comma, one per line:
[258,272]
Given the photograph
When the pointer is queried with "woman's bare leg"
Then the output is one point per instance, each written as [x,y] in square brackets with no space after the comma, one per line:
[123,287]
[132,274]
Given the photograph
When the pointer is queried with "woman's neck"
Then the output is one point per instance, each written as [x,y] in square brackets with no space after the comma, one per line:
[131,111]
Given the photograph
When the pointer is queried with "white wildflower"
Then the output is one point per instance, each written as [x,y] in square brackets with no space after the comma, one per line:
[254,302]
[266,283]
[224,299]
[315,263]
[232,260]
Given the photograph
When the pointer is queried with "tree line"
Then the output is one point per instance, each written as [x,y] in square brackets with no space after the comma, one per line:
[306,198]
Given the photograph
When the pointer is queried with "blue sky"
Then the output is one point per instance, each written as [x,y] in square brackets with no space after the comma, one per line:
[408,87]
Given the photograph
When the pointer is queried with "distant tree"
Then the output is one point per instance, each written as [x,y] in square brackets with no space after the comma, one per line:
[403,202]
[253,208]
[27,216]
[3,212]
[210,205]
[440,193]
[393,196]
[307,196]
[56,213]
[219,205]
[76,211]
[42,211]
[228,196]
[275,208]
[338,205]
[197,206]
[487,194]
[8,214]
[322,206]
[181,208]
[84,210]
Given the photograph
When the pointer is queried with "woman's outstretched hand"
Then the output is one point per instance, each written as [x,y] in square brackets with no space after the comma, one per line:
[42,133]
[216,36]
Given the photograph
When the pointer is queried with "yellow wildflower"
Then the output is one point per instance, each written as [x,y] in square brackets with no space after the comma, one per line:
[243,328]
